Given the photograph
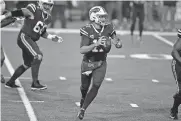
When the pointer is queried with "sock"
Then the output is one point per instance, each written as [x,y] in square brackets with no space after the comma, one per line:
[177,101]
[140,29]
[35,70]
[84,93]
[90,97]
[18,72]
[2,61]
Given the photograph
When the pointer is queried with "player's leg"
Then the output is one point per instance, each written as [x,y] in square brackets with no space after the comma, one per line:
[134,15]
[176,68]
[22,68]
[98,77]
[141,20]
[85,84]
[34,59]
[2,62]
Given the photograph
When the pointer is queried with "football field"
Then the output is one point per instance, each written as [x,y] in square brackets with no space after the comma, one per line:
[139,84]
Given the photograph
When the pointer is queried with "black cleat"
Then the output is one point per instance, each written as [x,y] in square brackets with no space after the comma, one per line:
[11,85]
[174,114]
[38,86]
[81,114]
[81,102]
[2,79]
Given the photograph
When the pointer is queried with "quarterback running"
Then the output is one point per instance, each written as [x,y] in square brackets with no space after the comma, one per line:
[37,18]
[96,40]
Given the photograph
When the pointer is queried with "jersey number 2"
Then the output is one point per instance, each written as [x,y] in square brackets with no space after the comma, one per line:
[39,27]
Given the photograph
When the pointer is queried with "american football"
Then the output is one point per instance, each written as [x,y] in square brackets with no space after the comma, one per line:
[106,44]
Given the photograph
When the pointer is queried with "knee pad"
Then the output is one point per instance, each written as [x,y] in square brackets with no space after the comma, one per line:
[38,57]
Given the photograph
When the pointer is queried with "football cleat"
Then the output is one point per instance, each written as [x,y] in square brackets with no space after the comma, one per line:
[81,114]
[173,114]
[11,85]
[81,102]
[38,86]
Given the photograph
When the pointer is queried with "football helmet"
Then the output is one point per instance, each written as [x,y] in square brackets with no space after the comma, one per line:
[98,15]
[3,5]
[46,5]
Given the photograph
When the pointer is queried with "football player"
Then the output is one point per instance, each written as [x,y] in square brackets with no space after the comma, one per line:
[176,68]
[96,39]
[138,11]
[3,24]
[37,18]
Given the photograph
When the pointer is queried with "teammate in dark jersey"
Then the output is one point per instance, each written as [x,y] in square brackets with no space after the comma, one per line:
[37,18]
[138,11]
[176,68]
[3,24]
[94,60]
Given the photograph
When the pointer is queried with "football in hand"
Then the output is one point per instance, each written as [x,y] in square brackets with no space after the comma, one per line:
[106,44]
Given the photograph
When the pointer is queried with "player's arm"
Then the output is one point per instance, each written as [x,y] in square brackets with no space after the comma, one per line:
[176,50]
[84,46]
[54,38]
[116,40]
[23,12]
[7,21]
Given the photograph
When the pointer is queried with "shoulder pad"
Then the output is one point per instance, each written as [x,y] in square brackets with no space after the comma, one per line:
[31,7]
[179,33]
[85,30]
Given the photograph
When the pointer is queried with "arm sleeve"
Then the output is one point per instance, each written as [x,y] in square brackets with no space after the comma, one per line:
[31,7]
[84,31]
[84,41]
[112,30]
[179,33]
[7,22]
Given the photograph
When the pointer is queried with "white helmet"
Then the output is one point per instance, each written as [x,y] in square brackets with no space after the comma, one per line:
[98,15]
[46,5]
[3,6]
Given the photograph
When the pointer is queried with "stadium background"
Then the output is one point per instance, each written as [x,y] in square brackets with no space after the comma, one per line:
[69,14]
[139,83]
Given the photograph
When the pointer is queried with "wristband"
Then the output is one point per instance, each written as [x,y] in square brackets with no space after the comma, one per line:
[49,36]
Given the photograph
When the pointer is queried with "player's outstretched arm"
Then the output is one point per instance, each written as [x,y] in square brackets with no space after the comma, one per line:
[24,12]
[116,41]
[176,50]
[7,22]
[54,38]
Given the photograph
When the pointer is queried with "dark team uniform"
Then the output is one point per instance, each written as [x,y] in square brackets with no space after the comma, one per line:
[138,11]
[97,54]
[31,31]
[176,67]
[4,23]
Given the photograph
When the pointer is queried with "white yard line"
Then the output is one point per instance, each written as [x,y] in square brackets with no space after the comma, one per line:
[163,39]
[20,101]
[24,98]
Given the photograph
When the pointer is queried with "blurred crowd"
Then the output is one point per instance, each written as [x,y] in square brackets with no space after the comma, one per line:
[162,15]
